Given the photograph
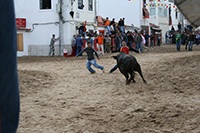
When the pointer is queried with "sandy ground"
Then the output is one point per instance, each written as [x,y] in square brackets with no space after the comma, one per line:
[59,95]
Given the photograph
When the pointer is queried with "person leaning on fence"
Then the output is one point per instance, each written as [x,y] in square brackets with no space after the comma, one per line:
[52,49]
[90,58]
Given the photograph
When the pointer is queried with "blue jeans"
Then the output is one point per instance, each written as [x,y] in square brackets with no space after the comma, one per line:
[190,45]
[93,62]
[147,43]
[79,49]
[9,91]
[108,30]
[113,69]
[122,28]
[178,45]
[82,32]
[167,40]
[139,45]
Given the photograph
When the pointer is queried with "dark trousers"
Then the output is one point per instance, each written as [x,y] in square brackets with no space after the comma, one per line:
[9,91]
[79,49]
[73,51]
[113,69]
[186,44]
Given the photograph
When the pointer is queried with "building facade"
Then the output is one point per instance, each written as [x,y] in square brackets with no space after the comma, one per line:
[37,23]
[165,14]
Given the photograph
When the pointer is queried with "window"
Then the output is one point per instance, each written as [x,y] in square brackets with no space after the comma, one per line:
[152,11]
[165,12]
[160,11]
[90,5]
[80,4]
[45,4]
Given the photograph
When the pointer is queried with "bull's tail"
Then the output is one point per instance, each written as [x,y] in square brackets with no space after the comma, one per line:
[140,72]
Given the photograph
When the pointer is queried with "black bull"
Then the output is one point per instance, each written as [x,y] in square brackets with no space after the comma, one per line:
[127,64]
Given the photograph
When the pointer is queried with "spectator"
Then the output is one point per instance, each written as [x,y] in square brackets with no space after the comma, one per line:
[172,29]
[120,25]
[178,41]
[112,22]
[191,41]
[95,34]
[139,42]
[89,39]
[117,41]
[52,49]
[159,40]
[130,39]
[90,8]
[82,29]
[186,41]
[108,43]
[166,38]
[107,26]
[179,26]
[152,40]
[147,39]
[144,42]
[74,45]
[123,25]
[198,38]
[79,44]
[81,6]
[100,39]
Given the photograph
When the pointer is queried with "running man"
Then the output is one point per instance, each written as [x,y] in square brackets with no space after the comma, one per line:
[90,58]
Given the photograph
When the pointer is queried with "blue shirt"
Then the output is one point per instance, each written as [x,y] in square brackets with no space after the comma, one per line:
[79,42]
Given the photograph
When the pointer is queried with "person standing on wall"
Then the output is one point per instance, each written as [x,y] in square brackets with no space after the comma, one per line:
[107,26]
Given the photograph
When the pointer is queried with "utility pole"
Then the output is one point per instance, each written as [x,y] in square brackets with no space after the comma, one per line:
[60,25]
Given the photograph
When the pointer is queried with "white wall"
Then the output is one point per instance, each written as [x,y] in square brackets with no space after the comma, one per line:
[43,23]
[130,10]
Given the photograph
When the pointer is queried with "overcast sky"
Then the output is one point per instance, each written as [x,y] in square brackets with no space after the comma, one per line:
[119,9]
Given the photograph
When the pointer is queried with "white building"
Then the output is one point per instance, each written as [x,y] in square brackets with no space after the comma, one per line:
[159,15]
[45,17]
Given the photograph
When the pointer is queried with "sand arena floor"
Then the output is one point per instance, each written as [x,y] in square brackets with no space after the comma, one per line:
[59,95]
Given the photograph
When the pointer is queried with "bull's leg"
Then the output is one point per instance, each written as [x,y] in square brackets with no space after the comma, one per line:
[126,75]
[140,72]
[133,75]
[131,78]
